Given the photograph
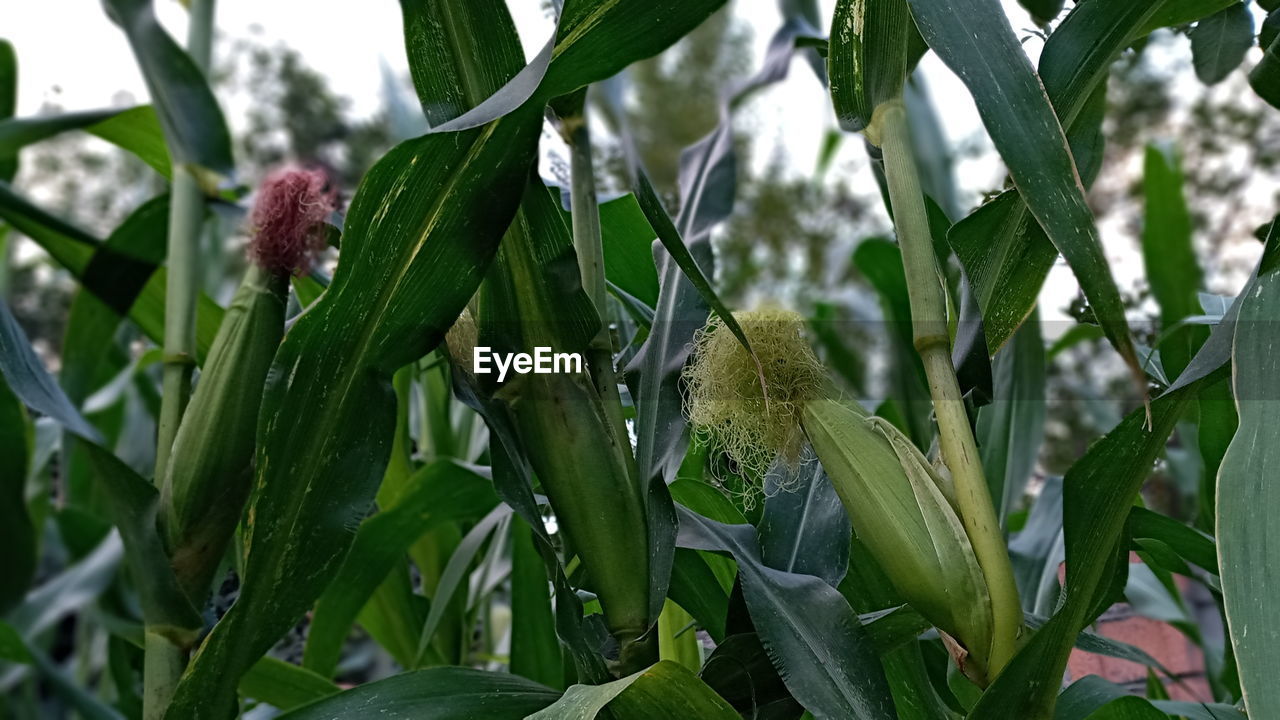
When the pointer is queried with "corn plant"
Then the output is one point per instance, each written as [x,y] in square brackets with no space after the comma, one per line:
[363,496]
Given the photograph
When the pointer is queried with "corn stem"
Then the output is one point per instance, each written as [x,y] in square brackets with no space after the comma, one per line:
[932,341]
[164,661]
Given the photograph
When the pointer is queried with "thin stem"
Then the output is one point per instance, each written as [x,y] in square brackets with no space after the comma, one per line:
[932,341]
[588,244]
[163,660]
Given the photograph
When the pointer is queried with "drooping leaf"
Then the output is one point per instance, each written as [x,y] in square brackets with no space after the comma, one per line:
[446,693]
[665,690]
[188,112]
[820,649]
[1247,495]
[973,37]
[1220,41]
[26,377]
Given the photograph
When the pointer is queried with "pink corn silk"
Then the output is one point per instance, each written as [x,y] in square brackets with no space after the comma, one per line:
[287,219]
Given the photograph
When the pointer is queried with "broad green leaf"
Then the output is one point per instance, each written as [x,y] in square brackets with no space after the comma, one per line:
[17,535]
[874,46]
[1247,497]
[665,690]
[284,685]
[821,650]
[113,273]
[1099,699]
[193,125]
[1005,253]
[1170,260]
[535,649]
[1010,430]
[459,53]
[441,492]
[804,528]
[138,131]
[27,379]
[447,693]
[740,671]
[1220,41]
[628,249]
[1190,544]
[973,37]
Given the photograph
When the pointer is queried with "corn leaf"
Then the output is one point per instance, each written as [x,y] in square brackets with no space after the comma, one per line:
[1247,496]
[535,649]
[17,534]
[820,649]
[445,693]
[285,685]
[1169,258]
[665,690]
[30,382]
[1010,430]
[188,112]
[804,528]
[974,38]
[440,492]
[122,272]
[1264,78]
[1220,41]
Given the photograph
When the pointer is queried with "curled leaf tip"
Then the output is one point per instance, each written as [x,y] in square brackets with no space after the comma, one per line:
[287,220]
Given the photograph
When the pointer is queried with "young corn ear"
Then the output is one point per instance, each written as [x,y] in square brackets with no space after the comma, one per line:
[207,480]
[901,510]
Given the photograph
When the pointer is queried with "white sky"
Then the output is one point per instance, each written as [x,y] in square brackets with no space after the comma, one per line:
[70,54]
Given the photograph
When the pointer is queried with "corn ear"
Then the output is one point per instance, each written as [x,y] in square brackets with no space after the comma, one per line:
[207,479]
[586,473]
[899,508]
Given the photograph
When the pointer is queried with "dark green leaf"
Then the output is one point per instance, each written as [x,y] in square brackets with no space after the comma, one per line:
[1220,41]
[1248,496]
[1169,258]
[823,653]
[188,112]
[1264,78]
[17,534]
[1042,11]
[284,685]
[805,528]
[974,38]
[665,690]
[448,693]
[31,383]
[1010,430]
[1190,544]
[441,492]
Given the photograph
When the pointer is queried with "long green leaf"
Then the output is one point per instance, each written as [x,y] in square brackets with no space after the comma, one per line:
[17,535]
[1010,430]
[820,649]
[1169,258]
[192,121]
[1247,497]
[441,492]
[285,685]
[31,383]
[448,693]
[974,38]
[665,690]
